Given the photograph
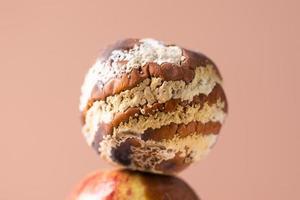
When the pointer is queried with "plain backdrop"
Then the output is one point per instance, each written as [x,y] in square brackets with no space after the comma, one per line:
[46,47]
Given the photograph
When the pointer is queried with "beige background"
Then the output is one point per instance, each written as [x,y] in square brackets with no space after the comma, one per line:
[47,46]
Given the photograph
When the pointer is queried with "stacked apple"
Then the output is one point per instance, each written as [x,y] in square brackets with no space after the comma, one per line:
[150,107]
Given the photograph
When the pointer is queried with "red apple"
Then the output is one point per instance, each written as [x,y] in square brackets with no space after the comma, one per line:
[131,185]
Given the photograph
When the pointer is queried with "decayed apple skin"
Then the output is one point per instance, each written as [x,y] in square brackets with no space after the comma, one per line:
[133,185]
[151,106]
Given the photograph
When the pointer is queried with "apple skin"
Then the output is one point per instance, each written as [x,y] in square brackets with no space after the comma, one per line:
[132,185]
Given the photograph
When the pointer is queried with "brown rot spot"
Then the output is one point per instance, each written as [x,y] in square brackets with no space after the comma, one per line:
[122,153]
[96,142]
[182,130]
[173,165]
[103,130]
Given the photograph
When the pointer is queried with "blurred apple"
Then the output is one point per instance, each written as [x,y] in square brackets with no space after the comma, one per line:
[131,185]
